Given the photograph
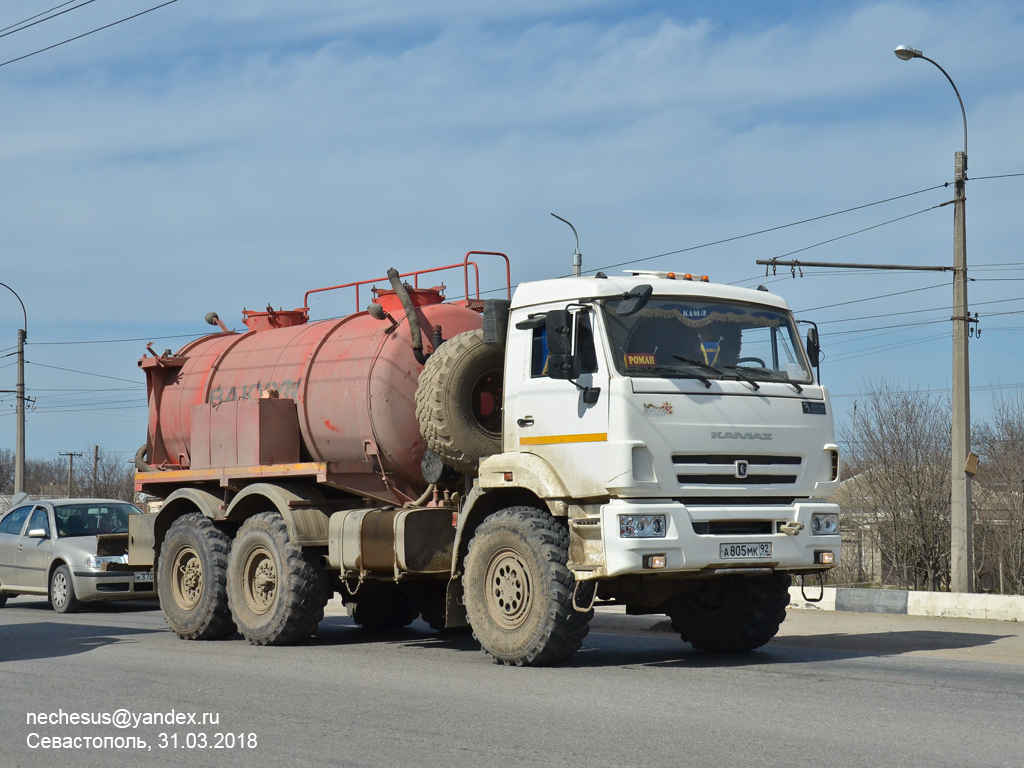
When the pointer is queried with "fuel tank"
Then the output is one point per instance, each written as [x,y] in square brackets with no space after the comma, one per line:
[353,381]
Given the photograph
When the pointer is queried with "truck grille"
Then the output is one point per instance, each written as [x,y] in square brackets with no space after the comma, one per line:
[719,469]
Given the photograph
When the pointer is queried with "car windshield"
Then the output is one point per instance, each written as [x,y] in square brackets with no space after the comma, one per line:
[674,336]
[92,518]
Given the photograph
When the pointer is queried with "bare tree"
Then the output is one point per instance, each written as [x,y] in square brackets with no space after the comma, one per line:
[1000,546]
[114,477]
[7,462]
[898,445]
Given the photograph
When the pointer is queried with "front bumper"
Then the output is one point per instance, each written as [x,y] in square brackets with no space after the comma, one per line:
[685,550]
[95,584]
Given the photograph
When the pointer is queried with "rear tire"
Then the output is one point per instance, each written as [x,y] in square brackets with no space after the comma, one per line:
[519,589]
[733,613]
[3,599]
[458,400]
[62,591]
[192,579]
[276,591]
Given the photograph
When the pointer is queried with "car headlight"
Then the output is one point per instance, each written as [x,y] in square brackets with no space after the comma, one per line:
[825,525]
[92,561]
[642,526]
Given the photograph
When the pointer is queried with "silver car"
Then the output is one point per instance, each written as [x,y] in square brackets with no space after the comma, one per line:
[49,548]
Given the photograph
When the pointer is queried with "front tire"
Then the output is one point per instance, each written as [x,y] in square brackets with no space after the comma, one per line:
[732,614]
[276,591]
[192,579]
[519,589]
[62,591]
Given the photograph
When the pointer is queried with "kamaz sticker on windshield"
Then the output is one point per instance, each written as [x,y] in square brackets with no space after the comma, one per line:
[640,360]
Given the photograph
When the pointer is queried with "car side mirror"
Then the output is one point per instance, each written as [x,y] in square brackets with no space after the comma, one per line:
[38,533]
[813,347]
[634,301]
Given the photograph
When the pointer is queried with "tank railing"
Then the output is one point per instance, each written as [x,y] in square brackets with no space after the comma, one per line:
[465,264]
[508,271]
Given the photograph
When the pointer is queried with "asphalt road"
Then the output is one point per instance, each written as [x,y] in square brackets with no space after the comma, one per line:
[833,689]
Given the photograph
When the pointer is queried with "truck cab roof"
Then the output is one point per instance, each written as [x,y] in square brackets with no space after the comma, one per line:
[567,289]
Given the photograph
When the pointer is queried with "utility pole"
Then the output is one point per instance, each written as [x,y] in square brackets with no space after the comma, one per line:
[71,468]
[19,449]
[95,470]
[961,516]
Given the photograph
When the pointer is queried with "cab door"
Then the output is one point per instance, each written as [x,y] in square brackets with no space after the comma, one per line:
[33,555]
[565,421]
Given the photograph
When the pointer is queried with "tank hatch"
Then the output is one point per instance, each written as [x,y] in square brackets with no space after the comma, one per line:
[274,318]
[421,297]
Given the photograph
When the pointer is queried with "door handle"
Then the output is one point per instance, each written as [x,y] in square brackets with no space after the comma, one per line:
[526,421]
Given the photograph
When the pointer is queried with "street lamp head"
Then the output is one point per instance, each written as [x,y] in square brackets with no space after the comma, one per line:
[907,53]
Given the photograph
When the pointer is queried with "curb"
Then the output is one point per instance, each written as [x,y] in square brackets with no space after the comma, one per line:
[901,602]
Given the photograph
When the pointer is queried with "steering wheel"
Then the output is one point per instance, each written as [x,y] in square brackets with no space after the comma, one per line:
[757,360]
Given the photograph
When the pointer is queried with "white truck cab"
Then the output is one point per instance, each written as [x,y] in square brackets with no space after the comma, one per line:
[679,426]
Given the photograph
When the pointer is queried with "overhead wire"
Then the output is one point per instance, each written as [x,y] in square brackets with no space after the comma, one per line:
[782,226]
[40,21]
[84,373]
[90,32]
[41,13]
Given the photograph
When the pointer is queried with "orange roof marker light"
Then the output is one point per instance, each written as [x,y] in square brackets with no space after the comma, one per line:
[704,279]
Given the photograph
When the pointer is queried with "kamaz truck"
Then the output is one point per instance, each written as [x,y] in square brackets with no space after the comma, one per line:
[653,440]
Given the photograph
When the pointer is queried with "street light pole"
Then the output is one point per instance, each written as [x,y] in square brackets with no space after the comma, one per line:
[19,450]
[961,518]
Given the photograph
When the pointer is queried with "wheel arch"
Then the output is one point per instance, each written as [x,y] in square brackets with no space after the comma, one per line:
[481,504]
[180,503]
[308,524]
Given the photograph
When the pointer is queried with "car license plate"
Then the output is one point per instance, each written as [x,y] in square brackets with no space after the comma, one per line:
[142,577]
[762,549]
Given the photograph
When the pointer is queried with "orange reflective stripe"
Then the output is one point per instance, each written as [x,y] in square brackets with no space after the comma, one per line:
[596,437]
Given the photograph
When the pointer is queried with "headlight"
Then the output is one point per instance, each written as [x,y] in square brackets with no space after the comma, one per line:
[92,561]
[825,525]
[642,526]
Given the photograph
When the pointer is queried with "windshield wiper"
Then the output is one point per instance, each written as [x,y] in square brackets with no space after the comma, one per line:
[719,371]
[773,375]
[685,374]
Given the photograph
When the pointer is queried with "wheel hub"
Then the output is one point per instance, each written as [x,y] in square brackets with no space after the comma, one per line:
[60,590]
[508,589]
[187,584]
[259,586]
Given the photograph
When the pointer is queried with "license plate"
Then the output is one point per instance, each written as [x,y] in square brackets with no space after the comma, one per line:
[762,549]
[143,577]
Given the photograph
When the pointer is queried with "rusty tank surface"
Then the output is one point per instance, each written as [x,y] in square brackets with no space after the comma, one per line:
[352,380]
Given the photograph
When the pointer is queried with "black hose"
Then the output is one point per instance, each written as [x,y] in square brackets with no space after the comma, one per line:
[140,460]
[410,314]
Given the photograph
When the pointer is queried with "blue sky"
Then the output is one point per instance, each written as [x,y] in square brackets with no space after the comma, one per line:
[215,156]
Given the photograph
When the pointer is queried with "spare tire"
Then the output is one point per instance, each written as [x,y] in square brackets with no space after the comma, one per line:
[458,400]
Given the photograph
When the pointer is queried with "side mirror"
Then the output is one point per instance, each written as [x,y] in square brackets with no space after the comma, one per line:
[635,300]
[813,347]
[38,533]
[559,332]
[563,367]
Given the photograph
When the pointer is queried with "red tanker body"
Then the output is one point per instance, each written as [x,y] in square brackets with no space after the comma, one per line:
[353,381]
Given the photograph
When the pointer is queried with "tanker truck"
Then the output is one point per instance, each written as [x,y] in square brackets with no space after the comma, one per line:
[652,440]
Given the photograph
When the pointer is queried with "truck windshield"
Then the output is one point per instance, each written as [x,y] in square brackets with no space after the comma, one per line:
[673,336]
